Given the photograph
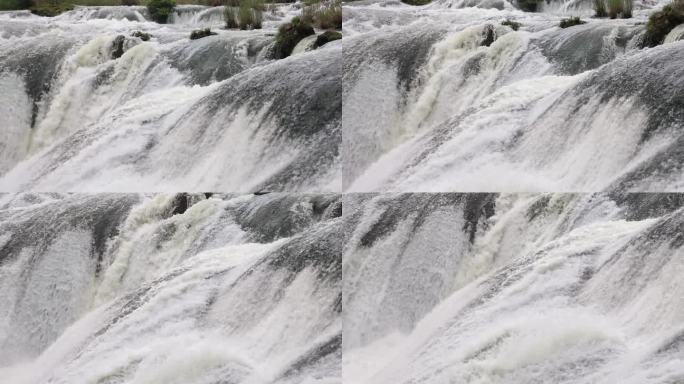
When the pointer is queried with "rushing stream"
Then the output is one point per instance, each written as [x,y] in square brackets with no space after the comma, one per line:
[170,114]
[175,289]
[481,288]
[437,198]
[445,98]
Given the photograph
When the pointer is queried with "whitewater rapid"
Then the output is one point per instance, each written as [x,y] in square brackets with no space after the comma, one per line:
[126,288]
[514,288]
[429,105]
[170,114]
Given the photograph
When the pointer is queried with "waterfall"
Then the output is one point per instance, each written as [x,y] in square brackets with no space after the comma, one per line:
[170,113]
[445,98]
[501,288]
[170,288]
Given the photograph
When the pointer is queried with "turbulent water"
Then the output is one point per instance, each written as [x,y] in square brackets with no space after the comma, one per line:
[170,114]
[446,98]
[514,288]
[560,266]
[170,289]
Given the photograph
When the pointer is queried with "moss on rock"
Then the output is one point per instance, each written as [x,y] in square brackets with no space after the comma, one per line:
[512,24]
[289,35]
[571,22]
[326,37]
[200,33]
[141,35]
[662,22]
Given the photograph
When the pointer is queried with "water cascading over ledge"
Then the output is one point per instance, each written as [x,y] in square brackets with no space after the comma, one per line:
[166,114]
[513,288]
[440,98]
[170,288]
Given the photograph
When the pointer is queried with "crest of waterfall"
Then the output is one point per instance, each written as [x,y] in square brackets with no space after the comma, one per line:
[179,288]
[89,106]
[445,98]
[483,288]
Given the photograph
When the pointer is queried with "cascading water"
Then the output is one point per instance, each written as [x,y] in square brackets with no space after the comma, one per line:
[441,98]
[513,288]
[170,289]
[88,106]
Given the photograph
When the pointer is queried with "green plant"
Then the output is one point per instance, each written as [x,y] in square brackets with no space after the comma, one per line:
[512,24]
[600,8]
[627,7]
[250,14]
[8,5]
[615,8]
[289,35]
[571,21]
[200,33]
[324,15]
[129,2]
[51,8]
[529,5]
[141,35]
[326,37]
[230,15]
[160,10]
[660,23]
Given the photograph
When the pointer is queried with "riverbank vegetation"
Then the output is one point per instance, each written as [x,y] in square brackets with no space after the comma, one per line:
[660,23]
[289,35]
[571,22]
[615,9]
[245,14]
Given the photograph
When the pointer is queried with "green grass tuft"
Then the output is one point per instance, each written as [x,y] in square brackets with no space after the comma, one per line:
[289,35]
[324,14]
[571,22]
[326,37]
[660,23]
[200,33]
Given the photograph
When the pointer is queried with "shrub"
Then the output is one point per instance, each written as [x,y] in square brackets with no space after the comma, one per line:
[161,9]
[615,8]
[247,15]
[129,2]
[512,24]
[529,5]
[289,35]
[51,9]
[600,8]
[662,22]
[326,37]
[571,21]
[141,35]
[230,15]
[324,15]
[200,33]
[250,14]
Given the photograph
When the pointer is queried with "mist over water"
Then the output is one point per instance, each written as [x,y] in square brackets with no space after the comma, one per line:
[445,98]
[170,114]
